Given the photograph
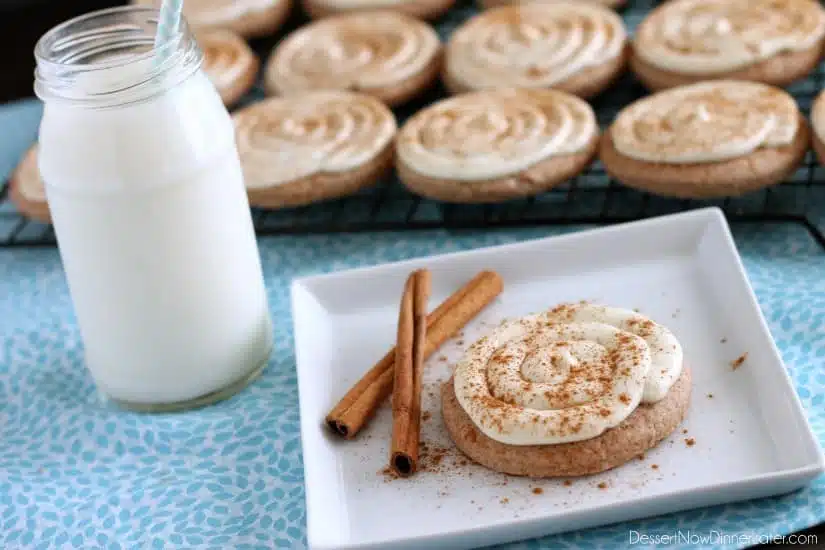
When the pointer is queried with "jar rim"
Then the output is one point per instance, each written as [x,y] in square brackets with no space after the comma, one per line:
[43,57]
[118,44]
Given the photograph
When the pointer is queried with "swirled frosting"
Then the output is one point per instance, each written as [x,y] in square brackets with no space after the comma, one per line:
[534,45]
[365,4]
[357,51]
[565,375]
[283,139]
[718,36]
[818,117]
[706,122]
[226,57]
[494,133]
[216,13]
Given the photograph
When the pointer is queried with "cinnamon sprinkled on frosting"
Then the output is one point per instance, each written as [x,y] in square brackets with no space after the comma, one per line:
[721,36]
[533,45]
[565,375]
[706,122]
[495,133]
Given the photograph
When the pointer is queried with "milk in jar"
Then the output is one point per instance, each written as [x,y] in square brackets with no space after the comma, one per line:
[150,212]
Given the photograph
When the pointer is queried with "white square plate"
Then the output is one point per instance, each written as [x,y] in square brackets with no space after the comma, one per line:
[751,436]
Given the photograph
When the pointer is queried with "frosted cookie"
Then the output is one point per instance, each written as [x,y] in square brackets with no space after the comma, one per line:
[384,54]
[487,4]
[770,41]
[26,188]
[316,146]
[421,9]
[229,63]
[248,18]
[712,139]
[572,391]
[496,145]
[574,46]
[818,123]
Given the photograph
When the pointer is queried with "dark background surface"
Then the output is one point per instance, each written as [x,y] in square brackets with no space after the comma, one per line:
[22,22]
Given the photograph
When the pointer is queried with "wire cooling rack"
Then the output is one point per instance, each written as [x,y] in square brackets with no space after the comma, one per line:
[591,198]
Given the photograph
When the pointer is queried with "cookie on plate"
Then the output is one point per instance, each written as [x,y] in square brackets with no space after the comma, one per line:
[229,63]
[487,4]
[818,125]
[771,41]
[712,139]
[574,46]
[26,188]
[496,145]
[421,9]
[248,18]
[312,147]
[385,54]
[573,391]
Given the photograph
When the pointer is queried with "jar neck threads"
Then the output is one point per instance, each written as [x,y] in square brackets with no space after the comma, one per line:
[108,58]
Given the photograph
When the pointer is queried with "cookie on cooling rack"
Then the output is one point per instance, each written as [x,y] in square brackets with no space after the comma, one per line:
[496,145]
[618,386]
[487,4]
[26,188]
[818,126]
[574,46]
[248,18]
[421,9]
[771,41]
[312,147]
[712,139]
[229,63]
[385,54]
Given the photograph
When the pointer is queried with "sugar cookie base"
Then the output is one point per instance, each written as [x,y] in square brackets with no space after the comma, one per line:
[816,143]
[819,149]
[323,186]
[779,70]
[33,209]
[540,177]
[730,178]
[243,82]
[585,84]
[392,96]
[262,23]
[257,23]
[642,430]
[488,4]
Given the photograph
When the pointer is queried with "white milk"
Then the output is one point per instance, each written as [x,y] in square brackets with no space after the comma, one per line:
[156,237]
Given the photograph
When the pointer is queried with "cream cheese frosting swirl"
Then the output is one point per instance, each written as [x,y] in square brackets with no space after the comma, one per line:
[366,4]
[818,117]
[358,51]
[226,57]
[281,140]
[706,122]
[217,13]
[494,133]
[719,36]
[534,45]
[565,375]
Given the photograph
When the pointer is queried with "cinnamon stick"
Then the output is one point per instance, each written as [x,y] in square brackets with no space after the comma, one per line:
[359,404]
[409,362]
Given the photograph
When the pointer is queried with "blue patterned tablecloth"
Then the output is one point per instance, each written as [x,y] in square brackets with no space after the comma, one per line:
[74,474]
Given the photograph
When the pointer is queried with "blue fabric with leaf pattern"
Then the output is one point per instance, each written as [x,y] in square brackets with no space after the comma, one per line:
[74,474]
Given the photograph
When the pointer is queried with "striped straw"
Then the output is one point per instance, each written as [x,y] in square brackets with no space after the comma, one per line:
[169,22]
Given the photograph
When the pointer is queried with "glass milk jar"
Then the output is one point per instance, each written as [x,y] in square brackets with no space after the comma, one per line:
[144,185]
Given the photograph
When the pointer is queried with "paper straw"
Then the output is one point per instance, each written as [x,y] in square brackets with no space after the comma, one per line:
[168,23]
